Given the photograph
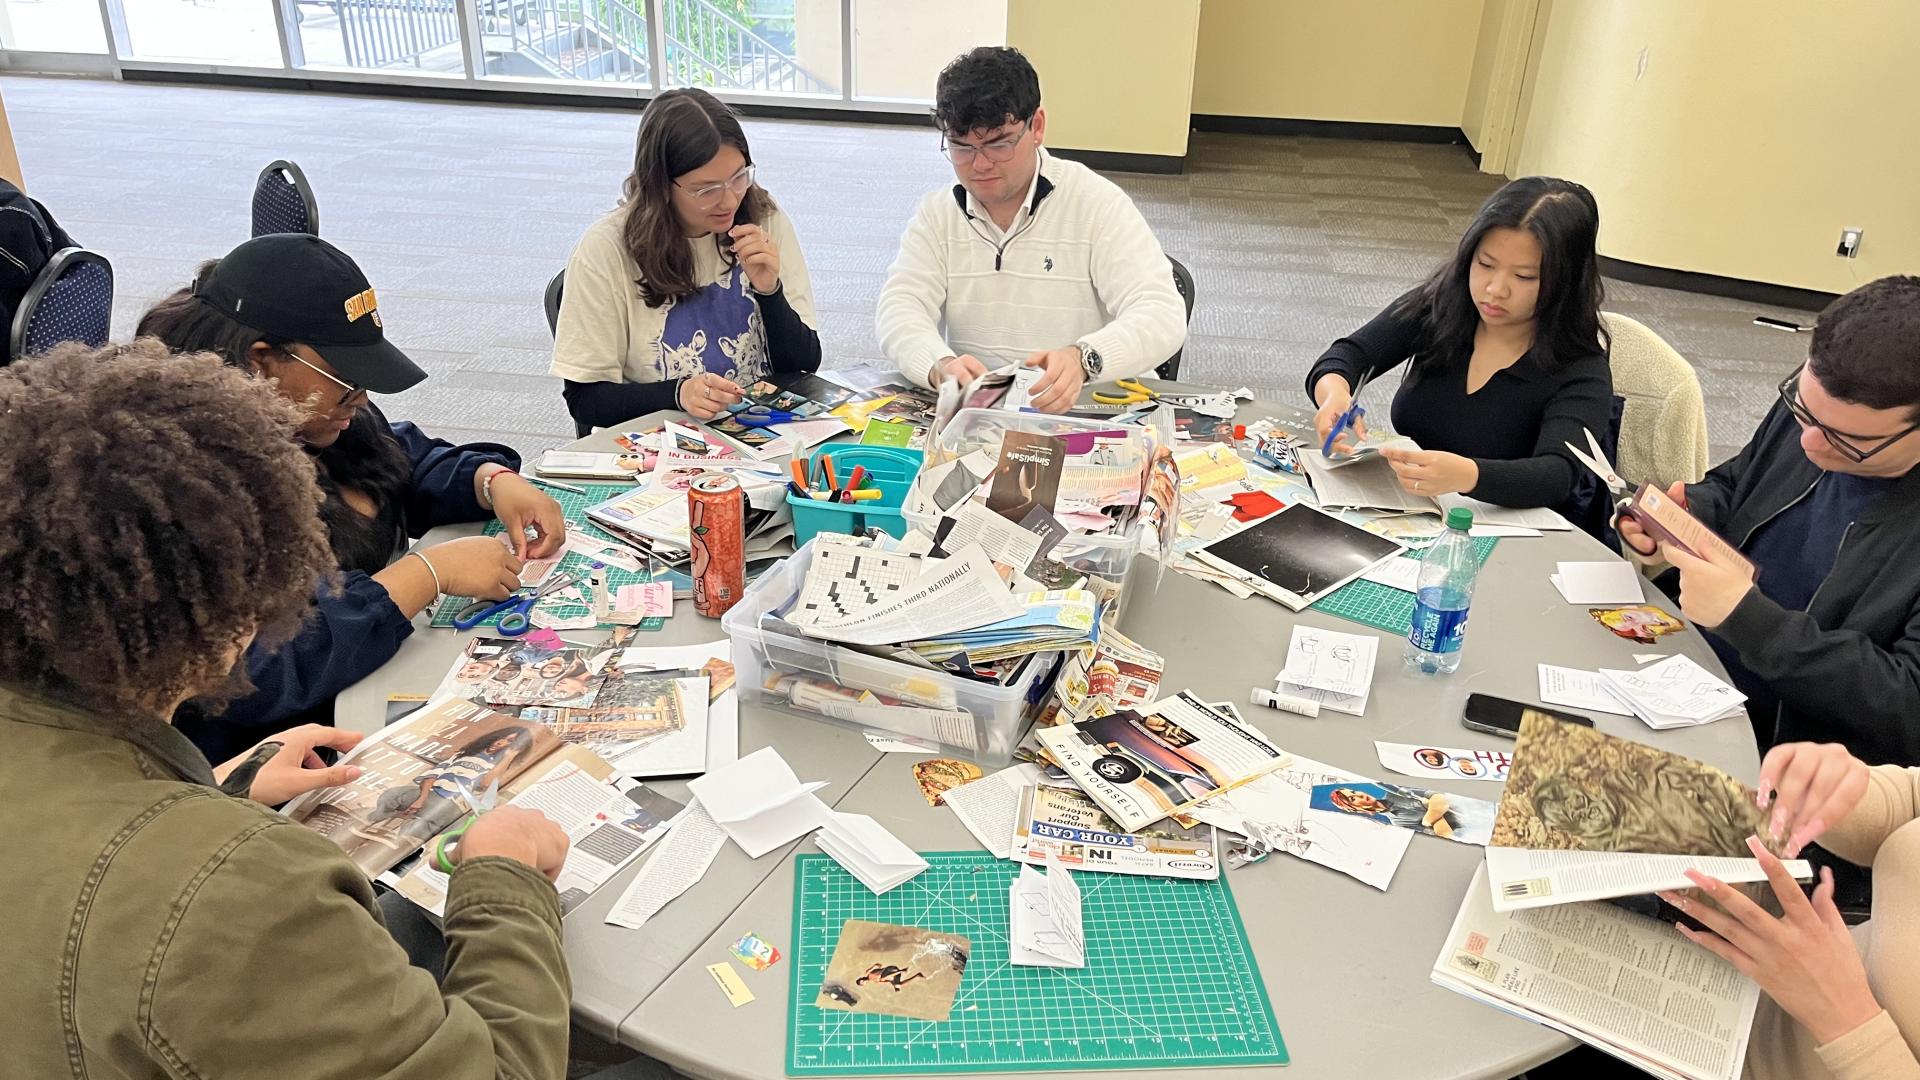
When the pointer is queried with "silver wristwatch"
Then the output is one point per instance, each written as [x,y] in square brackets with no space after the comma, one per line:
[1090,361]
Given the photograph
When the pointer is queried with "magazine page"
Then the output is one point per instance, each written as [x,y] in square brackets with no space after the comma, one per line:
[418,778]
[536,669]
[1625,983]
[609,820]
[1140,767]
[1066,828]
[1523,878]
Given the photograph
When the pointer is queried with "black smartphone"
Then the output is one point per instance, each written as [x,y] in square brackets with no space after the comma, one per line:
[1500,716]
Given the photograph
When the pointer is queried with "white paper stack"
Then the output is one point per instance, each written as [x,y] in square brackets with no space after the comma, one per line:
[1520,878]
[1615,582]
[868,851]
[1676,692]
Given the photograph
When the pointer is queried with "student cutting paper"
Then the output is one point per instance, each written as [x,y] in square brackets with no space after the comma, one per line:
[158,926]
[693,288]
[295,310]
[1506,358]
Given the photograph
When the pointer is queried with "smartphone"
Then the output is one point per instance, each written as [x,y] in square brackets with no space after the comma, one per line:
[1500,716]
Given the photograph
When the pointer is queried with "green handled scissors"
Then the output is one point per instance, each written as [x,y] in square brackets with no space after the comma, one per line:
[447,846]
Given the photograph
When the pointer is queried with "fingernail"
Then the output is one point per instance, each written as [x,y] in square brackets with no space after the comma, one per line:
[1762,797]
[353,772]
[1754,844]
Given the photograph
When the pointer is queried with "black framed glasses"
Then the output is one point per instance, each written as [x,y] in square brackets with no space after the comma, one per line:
[1852,451]
[707,195]
[997,151]
[348,390]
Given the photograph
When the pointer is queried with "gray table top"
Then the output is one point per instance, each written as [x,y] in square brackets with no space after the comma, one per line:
[614,968]
[1346,966]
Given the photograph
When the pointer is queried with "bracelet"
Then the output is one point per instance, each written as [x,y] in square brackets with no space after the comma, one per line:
[437,590]
[486,486]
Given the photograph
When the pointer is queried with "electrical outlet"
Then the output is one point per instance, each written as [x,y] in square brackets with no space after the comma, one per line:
[1849,243]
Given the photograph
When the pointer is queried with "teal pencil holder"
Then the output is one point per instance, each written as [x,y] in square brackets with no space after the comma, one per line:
[889,468]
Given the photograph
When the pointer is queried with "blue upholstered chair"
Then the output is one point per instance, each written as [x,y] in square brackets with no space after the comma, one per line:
[71,300]
[283,202]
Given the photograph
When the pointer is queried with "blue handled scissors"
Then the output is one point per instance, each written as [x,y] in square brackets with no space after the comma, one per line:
[762,416]
[1347,419]
[515,611]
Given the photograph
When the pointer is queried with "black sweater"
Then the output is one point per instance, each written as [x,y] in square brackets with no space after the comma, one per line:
[792,345]
[1515,428]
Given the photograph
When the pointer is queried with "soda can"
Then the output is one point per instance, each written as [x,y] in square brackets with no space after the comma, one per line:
[717,525]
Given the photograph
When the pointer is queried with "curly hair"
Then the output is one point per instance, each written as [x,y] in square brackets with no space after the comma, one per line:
[1866,346]
[983,89]
[158,513]
[680,131]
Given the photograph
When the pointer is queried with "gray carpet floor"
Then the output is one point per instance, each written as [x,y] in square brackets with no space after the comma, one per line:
[460,213]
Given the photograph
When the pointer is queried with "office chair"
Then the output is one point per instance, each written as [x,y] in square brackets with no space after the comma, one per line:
[1182,281]
[71,300]
[283,201]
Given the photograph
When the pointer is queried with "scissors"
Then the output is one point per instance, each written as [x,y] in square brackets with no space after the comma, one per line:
[515,611]
[448,845]
[1602,468]
[1347,419]
[762,416]
[1132,392]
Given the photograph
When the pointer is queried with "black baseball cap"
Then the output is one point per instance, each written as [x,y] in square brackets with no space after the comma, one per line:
[296,287]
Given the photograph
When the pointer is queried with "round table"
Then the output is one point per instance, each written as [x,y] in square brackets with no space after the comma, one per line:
[1346,966]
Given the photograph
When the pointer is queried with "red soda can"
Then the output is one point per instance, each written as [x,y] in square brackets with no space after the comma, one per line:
[717,524]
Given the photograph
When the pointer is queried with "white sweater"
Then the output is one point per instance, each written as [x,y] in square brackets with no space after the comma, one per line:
[1078,264]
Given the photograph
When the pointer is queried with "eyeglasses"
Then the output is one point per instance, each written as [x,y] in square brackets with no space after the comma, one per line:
[1790,396]
[707,195]
[998,150]
[349,391]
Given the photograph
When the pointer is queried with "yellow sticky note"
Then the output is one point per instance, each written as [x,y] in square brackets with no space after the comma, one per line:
[730,984]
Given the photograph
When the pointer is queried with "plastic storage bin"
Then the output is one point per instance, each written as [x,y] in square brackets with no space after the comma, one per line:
[890,468]
[782,669]
[1103,555]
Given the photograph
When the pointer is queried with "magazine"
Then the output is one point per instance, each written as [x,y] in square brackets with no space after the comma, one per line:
[419,777]
[1116,671]
[1140,767]
[632,709]
[609,820]
[531,670]
[1066,827]
[1622,982]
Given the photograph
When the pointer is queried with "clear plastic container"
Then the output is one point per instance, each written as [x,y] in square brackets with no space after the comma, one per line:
[781,668]
[1101,555]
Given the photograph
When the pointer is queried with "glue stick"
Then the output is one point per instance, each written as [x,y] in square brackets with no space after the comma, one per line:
[1286,702]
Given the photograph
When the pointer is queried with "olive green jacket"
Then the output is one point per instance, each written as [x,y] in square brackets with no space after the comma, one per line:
[155,927]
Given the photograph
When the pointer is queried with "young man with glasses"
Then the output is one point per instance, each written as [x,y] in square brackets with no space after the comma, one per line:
[1825,500]
[1029,258]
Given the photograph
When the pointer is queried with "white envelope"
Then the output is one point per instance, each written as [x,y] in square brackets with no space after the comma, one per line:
[760,802]
[868,851]
[1043,926]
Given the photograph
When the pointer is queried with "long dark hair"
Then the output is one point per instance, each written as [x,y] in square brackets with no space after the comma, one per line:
[361,458]
[1564,218]
[680,131]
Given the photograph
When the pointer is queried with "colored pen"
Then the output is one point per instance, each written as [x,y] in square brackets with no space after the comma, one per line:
[799,472]
[826,466]
[855,477]
[863,494]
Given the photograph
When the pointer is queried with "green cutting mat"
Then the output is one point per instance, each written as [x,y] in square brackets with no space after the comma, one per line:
[1169,979]
[1384,607]
[575,508]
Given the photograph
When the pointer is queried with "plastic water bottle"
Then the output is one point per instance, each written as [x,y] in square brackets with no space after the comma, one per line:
[1440,604]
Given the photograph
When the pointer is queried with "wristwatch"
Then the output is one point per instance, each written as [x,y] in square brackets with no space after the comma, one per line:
[1090,361]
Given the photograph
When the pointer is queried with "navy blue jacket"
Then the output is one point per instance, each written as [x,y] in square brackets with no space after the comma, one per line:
[355,627]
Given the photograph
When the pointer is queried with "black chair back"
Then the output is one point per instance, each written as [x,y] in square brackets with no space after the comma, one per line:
[71,300]
[1183,282]
[283,201]
[554,288]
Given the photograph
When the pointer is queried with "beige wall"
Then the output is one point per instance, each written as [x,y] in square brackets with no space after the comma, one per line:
[1126,89]
[9,159]
[1735,137]
[1374,61]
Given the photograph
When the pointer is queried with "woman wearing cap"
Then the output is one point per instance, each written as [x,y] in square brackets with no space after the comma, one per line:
[693,287]
[295,309]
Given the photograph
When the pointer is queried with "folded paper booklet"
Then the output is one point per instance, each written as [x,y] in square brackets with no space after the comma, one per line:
[1622,982]
[1044,927]
[1676,692]
[1588,816]
[1142,766]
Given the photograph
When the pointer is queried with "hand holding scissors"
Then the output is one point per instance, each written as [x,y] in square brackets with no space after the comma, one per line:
[1350,419]
[515,611]
[448,845]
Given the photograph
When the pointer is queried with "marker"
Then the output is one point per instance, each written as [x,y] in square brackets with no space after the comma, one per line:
[799,472]
[857,476]
[555,484]
[863,494]
[826,466]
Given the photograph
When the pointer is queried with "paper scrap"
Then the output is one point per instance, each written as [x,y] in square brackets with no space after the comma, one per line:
[676,864]
[730,983]
[650,599]
[990,807]
[1272,812]
[1402,574]
[895,744]
[755,952]
[939,775]
[1648,657]
[1577,689]
[1615,582]
[1044,923]
[1443,762]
